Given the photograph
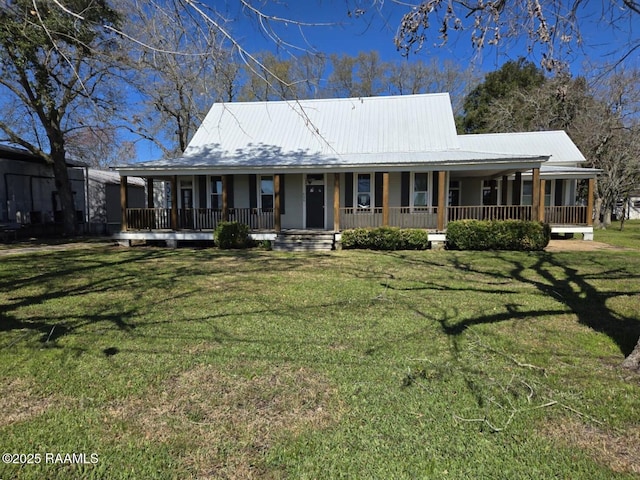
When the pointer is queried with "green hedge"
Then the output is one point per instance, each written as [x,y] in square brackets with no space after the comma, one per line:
[497,235]
[385,238]
[232,235]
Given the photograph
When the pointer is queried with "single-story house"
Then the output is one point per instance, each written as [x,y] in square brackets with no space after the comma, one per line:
[332,164]
[29,202]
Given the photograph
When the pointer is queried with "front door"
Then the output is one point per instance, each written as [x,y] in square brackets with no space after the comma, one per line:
[315,206]
[187,207]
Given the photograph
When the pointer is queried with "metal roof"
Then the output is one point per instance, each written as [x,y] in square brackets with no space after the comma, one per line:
[556,144]
[328,127]
[392,131]
[109,177]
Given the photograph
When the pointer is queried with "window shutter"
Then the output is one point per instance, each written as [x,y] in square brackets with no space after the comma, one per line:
[230,191]
[348,190]
[404,188]
[202,191]
[378,188]
[253,191]
[558,194]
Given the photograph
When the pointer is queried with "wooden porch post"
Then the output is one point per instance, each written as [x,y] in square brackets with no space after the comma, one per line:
[505,190]
[174,203]
[385,199]
[517,189]
[336,202]
[277,220]
[541,206]
[124,202]
[442,195]
[225,198]
[535,197]
[590,193]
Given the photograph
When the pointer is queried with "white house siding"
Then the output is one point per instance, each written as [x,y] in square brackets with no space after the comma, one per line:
[293,208]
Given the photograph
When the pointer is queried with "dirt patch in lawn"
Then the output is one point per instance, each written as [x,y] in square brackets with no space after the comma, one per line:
[229,422]
[616,450]
[575,245]
[19,402]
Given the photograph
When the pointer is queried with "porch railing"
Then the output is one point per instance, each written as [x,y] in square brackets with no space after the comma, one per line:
[489,212]
[149,218]
[567,215]
[404,217]
[197,218]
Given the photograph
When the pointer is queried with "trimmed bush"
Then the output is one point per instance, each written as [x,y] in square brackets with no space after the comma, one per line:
[385,238]
[497,235]
[232,235]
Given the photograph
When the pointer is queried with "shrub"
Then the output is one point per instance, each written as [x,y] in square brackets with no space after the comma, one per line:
[232,235]
[497,235]
[385,238]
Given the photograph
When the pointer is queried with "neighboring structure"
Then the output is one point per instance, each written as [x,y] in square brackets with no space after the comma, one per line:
[28,196]
[630,209]
[103,200]
[334,164]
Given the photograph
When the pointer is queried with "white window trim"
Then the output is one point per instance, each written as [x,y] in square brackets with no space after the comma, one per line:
[498,190]
[210,191]
[450,188]
[552,191]
[412,182]
[372,191]
[194,192]
[259,187]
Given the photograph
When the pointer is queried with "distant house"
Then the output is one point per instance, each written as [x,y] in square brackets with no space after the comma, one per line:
[103,201]
[631,208]
[28,195]
[30,204]
[333,164]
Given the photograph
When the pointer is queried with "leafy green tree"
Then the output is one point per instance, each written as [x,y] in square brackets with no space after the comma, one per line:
[52,78]
[513,76]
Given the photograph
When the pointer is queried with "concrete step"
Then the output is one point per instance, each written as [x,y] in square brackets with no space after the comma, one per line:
[304,242]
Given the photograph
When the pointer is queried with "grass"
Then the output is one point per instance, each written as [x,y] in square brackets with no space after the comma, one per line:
[196,363]
[628,237]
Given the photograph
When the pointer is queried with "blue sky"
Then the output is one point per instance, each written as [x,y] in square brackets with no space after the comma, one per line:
[332,30]
[376,27]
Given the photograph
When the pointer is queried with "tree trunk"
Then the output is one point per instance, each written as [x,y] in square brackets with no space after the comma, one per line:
[597,218]
[65,194]
[632,362]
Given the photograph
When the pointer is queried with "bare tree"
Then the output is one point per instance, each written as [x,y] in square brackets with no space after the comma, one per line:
[100,147]
[553,26]
[179,66]
[53,80]
[406,78]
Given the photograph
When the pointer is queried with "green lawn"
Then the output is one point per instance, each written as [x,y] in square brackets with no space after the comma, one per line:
[196,363]
[629,236]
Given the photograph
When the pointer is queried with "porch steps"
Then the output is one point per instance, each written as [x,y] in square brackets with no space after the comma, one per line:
[304,241]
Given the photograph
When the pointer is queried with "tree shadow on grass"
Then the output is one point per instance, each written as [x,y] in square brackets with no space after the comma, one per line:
[50,283]
[560,277]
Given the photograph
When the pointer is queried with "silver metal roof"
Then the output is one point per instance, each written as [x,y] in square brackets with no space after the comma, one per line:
[556,144]
[392,131]
[328,127]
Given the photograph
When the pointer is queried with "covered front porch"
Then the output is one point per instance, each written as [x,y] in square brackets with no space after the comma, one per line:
[337,201]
